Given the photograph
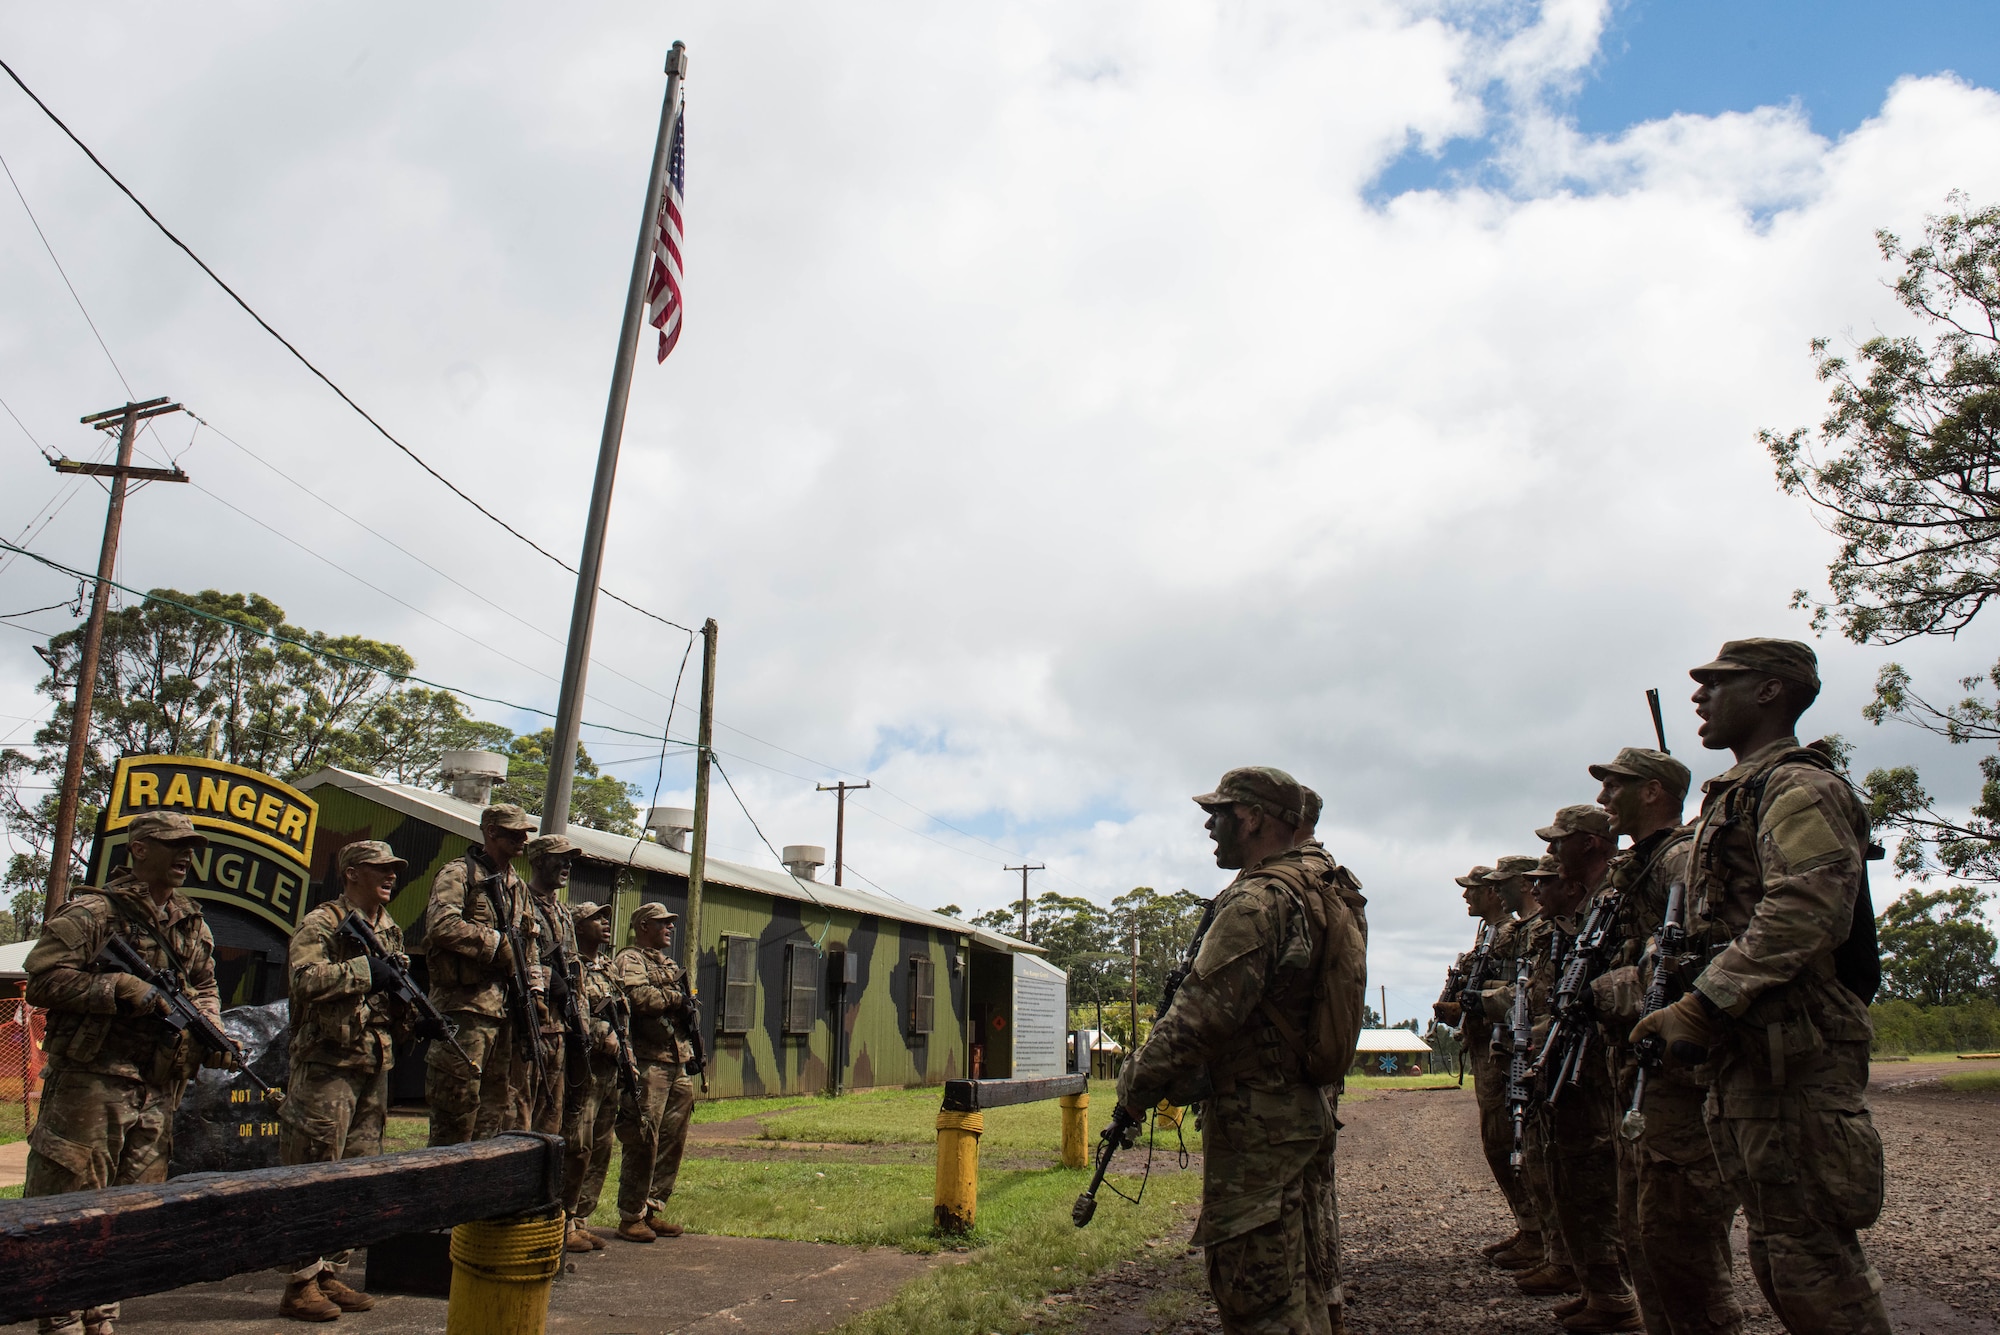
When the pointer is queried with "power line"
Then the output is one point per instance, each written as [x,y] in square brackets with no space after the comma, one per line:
[306,362]
[36,222]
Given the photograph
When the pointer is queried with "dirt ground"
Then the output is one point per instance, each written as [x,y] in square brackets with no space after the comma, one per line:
[1417,1200]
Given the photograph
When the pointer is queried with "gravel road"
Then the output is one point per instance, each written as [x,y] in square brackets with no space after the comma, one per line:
[1417,1200]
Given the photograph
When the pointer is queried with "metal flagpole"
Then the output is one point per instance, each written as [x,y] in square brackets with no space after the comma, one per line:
[569,709]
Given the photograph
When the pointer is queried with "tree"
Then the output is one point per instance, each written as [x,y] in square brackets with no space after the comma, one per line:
[1903,473]
[596,801]
[1936,948]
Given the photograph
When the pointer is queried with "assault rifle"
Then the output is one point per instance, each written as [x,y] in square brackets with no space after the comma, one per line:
[700,1063]
[1463,986]
[1519,1095]
[1572,1026]
[520,992]
[1669,952]
[431,1022]
[617,1013]
[1122,1134]
[1178,974]
[182,1015]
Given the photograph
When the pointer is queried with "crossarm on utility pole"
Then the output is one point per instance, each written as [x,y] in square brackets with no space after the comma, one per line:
[840,791]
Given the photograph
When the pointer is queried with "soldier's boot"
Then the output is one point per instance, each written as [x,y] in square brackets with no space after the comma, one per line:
[1336,1320]
[578,1238]
[635,1230]
[1546,1281]
[346,1299]
[1570,1307]
[1594,1319]
[304,1302]
[67,1323]
[1493,1249]
[1526,1253]
[101,1320]
[661,1228]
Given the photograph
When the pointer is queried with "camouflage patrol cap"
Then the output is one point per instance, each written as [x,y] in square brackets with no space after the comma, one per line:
[1579,819]
[1310,805]
[1514,864]
[366,853]
[1271,791]
[548,846]
[1546,866]
[1477,876]
[651,912]
[580,909]
[166,827]
[1787,660]
[1636,762]
[506,816]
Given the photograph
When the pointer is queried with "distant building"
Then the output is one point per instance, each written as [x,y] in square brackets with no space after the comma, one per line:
[1389,1052]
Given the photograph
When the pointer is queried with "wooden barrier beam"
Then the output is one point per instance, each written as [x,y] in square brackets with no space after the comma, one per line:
[58,1253]
[973,1095]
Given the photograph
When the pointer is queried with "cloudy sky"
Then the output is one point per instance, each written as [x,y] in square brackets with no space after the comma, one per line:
[1075,400]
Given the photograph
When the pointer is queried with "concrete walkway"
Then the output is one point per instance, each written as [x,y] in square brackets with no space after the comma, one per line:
[14,1164]
[693,1285]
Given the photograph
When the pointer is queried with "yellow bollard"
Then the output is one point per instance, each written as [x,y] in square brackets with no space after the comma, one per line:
[957,1170]
[501,1270]
[1169,1115]
[1076,1130]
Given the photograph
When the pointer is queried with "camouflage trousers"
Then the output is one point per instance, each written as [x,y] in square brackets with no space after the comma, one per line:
[1803,1157]
[653,1131]
[1326,1181]
[478,1099]
[1674,1212]
[331,1113]
[1537,1185]
[97,1131]
[587,1136]
[551,1097]
[1274,1279]
[1496,1132]
[1582,1165]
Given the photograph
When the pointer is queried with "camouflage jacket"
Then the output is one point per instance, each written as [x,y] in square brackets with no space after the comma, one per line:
[1643,873]
[555,937]
[1267,1126]
[1777,873]
[1475,1025]
[1514,942]
[656,986]
[599,993]
[335,1022]
[86,1030]
[461,939]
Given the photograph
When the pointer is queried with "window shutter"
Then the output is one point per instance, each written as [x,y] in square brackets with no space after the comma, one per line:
[801,988]
[739,999]
[923,994]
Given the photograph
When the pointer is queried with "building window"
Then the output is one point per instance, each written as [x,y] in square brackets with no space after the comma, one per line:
[801,988]
[739,983]
[923,994]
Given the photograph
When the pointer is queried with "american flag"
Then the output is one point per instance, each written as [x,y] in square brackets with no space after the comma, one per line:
[663,289]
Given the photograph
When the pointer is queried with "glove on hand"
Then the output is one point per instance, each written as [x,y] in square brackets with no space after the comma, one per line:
[1448,1012]
[1687,1029]
[136,996]
[380,977]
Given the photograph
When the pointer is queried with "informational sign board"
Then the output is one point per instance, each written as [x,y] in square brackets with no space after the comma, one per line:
[1041,1015]
[260,831]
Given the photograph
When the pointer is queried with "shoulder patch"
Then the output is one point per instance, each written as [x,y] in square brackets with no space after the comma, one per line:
[1796,823]
[1237,930]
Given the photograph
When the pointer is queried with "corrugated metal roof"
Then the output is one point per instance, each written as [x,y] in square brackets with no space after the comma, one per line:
[1391,1040]
[462,819]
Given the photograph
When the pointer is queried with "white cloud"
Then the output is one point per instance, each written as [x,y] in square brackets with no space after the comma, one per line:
[1057,422]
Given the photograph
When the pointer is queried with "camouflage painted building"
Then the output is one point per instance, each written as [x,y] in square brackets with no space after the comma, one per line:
[804,986]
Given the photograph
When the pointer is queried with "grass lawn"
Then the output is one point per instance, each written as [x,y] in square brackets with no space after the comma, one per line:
[13,1122]
[909,1117]
[1440,1080]
[1973,1080]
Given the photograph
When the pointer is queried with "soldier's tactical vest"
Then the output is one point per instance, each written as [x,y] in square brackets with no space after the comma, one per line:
[1330,993]
[144,1042]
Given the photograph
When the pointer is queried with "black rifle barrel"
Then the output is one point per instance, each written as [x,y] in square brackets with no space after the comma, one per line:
[432,1023]
[182,1013]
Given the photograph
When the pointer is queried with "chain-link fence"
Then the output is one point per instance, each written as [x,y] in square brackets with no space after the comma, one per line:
[20,1066]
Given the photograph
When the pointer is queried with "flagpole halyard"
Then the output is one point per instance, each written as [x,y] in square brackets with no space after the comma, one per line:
[583,616]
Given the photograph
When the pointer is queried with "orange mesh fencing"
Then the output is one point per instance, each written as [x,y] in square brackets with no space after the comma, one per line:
[20,1065]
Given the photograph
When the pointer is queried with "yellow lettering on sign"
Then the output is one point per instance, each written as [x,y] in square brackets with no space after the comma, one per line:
[243,801]
[281,892]
[292,825]
[214,795]
[178,793]
[202,857]
[250,889]
[145,791]
[229,871]
[268,809]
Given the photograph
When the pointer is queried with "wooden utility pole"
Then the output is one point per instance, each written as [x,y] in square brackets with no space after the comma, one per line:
[698,857]
[583,614]
[1135,983]
[840,790]
[1024,869]
[126,420]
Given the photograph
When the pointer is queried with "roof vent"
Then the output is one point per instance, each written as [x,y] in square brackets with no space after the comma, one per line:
[470,775]
[670,825]
[804,860]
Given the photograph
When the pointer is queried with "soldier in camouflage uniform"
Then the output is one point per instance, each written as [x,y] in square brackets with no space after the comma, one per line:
[588,1121]
[1674,1210]
[653,1127]
[115,1072]
[548,874]
[1267,1126]
[1484,901]
[1580,1121]
[471,970]
[1540,1251]
[342,1047]
[1782,1009]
